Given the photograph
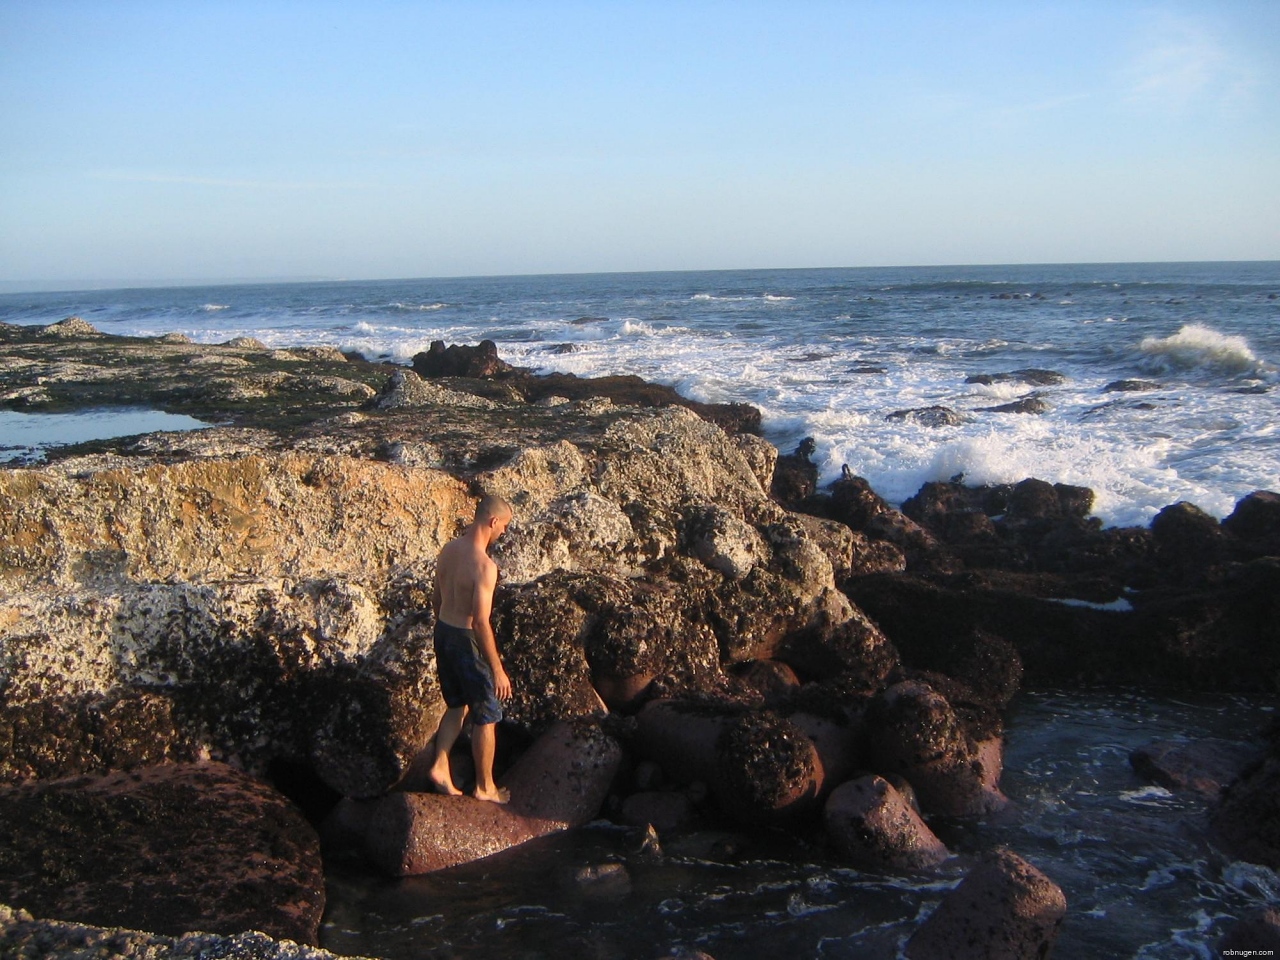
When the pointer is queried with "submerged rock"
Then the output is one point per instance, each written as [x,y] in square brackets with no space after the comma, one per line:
[1203,766]
[935,416]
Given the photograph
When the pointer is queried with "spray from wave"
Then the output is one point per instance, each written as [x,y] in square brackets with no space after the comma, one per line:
[1199,348]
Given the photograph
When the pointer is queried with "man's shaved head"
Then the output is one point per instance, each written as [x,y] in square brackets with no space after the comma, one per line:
[493,506]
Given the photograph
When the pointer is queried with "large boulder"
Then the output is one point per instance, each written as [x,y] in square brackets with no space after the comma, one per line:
[250,671]
[560,782]
[914,731]
[1005,909]
[166,849]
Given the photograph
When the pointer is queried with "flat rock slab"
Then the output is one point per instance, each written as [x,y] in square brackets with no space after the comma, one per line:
[167,849]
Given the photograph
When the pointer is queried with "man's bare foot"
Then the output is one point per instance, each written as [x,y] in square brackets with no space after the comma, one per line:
[444,786]
[500,795]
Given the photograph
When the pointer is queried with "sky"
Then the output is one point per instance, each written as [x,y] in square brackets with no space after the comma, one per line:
[167,141]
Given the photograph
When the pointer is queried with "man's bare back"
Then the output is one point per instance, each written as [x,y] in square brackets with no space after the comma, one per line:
[462,571]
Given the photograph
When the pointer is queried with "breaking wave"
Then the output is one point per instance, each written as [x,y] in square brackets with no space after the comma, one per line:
[1197,347]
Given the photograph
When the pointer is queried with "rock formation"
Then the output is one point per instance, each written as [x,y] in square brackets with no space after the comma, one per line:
[673,590]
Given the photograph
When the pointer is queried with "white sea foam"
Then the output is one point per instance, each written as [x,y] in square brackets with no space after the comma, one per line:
[417,307]
[214,307]
[1197,347]
[1147,796]
[763,297]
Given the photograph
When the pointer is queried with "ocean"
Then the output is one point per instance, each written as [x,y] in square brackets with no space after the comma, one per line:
[835,353]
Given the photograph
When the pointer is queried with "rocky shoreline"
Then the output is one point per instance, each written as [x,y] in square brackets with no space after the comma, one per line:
[195,626]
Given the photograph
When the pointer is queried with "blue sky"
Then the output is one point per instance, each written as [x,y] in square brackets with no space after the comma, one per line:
[217,140]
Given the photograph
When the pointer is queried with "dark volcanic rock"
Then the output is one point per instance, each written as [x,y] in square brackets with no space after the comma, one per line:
[458,360]
[1031,375]
[1187,540]
[1254,525]
[1247,820]
[767,770]
[1005,909]
[1033,404]
[854,503]
[60,737]
[1130,386]
[166,849]
[795,476]
[935,416]
[914,731]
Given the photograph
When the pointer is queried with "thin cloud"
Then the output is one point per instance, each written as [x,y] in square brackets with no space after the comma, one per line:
[1184,62]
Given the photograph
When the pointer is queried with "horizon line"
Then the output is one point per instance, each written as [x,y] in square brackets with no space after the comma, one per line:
[176,283]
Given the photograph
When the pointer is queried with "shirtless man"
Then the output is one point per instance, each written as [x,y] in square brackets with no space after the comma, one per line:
[472,678]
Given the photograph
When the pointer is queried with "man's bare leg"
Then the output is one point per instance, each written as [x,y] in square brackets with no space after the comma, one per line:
[483,746]
[440,774]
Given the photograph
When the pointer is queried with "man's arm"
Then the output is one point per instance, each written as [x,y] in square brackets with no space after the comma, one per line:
[482,607]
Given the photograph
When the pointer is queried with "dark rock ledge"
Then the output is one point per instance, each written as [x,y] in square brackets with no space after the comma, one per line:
[695,632]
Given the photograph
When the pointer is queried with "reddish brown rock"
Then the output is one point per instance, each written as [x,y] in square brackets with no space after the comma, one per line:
[167,849]
[874,828]
[773,679]
[560,782]
[1203,766]
[1005,909]
[681,738]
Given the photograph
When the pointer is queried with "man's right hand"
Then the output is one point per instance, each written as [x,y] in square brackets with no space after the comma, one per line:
[501,683]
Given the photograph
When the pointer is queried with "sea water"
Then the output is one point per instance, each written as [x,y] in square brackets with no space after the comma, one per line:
[1140,879]
[833,353]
